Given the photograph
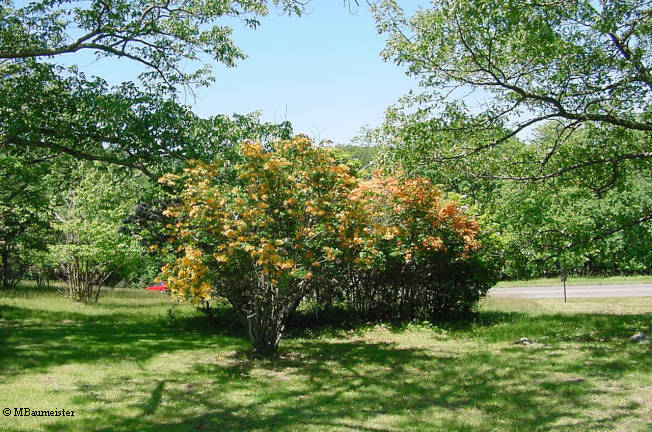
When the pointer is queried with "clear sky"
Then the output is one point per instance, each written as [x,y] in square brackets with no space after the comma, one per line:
[321,71]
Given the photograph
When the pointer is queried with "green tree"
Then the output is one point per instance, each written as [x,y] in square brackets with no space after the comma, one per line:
[521,63]
[24,211]
[529,102]
[45,105]
[363,154]
[594,219]
[88,218]
[583,61]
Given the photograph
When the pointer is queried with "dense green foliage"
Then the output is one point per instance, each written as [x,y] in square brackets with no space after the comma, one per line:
[593,220]
[538,113]
[89,246]
[24,213]
[48,106]
[362,154]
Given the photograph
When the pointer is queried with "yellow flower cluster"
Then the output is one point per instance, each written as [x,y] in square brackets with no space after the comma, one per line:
[187,278]
[279,222]
[296,212]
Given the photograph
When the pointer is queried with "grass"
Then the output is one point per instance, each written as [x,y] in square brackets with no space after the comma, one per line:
[596,280]
[137,362]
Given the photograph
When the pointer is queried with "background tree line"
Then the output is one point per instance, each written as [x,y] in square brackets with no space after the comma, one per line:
[555,160]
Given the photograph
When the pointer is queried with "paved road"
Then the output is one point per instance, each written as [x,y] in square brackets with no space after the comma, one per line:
[575,291]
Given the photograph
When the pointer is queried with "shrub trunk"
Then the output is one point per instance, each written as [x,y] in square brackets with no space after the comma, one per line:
[265,309]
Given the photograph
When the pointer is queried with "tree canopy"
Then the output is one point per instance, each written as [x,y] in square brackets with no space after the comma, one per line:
[507,65]
[539,114]
[137,124]
[160,35]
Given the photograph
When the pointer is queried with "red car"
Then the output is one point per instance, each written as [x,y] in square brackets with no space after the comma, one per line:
[158,287]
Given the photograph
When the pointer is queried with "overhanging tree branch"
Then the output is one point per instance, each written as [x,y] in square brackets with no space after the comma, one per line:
[600,161]
[108,157]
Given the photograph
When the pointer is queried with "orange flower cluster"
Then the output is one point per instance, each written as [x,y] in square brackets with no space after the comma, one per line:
[187,278]
[404,217]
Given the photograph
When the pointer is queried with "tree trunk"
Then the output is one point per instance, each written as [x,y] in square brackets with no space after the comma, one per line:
[9,278]
[264,308]
[4,254]
[78,281]
[264,338]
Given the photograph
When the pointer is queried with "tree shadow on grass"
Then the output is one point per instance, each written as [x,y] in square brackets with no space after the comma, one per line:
[315,319]
[487,326]
[34,340]
[333,384]
[355,386]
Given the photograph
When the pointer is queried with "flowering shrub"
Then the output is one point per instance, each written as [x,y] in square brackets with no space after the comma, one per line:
[259,241]
[408,254]
[291,220]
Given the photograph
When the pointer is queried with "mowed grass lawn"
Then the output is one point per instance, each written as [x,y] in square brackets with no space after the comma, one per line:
[127,364]
[573,280]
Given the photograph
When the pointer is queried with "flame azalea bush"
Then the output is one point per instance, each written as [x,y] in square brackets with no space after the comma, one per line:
[409,254]
[289,221]
[260,240]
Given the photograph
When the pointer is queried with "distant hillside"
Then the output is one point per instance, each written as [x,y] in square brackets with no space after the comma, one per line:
[363,154]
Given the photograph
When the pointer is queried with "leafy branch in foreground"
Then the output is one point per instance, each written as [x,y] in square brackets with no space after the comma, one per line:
[159,35]
[48,107]
[524,63]
[139,126]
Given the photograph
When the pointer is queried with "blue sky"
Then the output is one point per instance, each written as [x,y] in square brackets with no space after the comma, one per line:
[321,71]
